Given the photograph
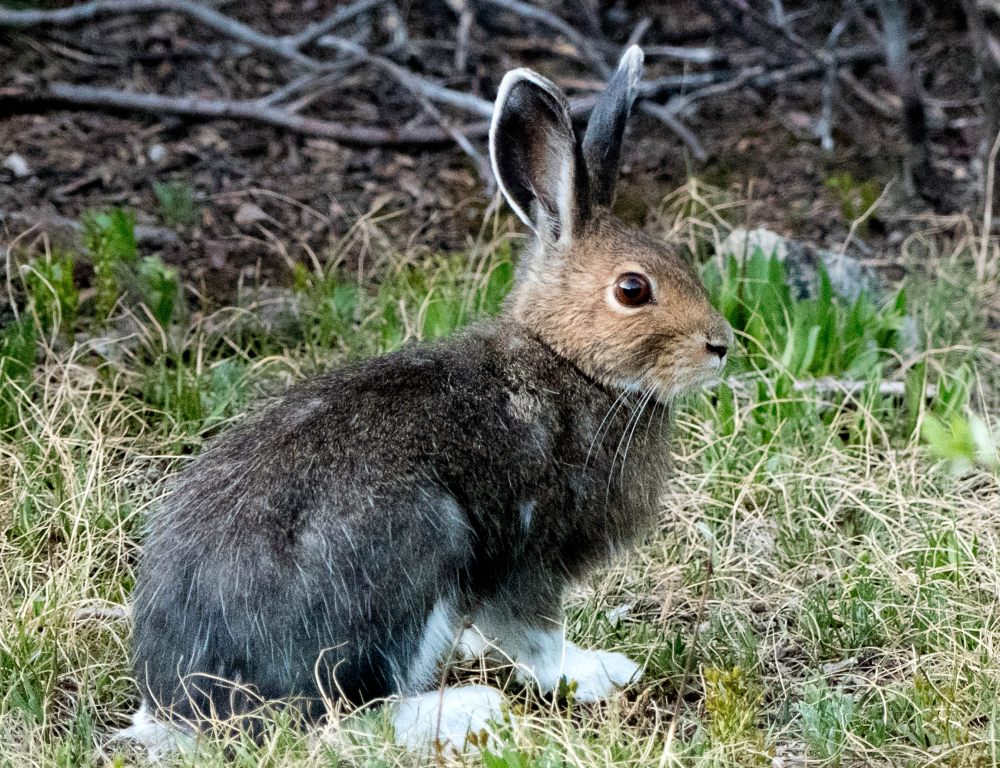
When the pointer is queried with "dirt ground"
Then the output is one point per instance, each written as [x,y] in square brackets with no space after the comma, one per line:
[267,196]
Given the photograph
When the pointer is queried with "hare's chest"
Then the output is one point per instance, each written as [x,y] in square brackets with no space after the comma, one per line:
[621,466]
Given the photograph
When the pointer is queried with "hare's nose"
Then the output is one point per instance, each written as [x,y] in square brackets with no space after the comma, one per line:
[717,349]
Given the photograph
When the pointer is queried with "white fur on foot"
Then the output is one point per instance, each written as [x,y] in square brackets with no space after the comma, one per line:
[159,739]
[596,673]
[448,717]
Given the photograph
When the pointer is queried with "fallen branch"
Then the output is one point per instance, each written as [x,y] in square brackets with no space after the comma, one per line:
[685,90]
[828,385]
[256,110]
[230,27]
[47,222]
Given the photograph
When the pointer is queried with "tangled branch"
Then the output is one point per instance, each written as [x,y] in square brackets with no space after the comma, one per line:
[670,99]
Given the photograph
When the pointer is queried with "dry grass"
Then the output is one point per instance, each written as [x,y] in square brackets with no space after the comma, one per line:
[806,601]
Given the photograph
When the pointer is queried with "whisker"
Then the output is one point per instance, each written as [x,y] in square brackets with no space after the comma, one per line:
[615,406]
[628,444]
[633,420]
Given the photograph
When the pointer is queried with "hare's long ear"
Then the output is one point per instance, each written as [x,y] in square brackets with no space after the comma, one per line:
[602,143]
[536,157]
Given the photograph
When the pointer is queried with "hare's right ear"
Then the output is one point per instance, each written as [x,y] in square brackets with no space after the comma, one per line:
[535,154]
[602,143]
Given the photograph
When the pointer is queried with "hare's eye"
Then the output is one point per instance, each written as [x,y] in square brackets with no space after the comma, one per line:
[633,290]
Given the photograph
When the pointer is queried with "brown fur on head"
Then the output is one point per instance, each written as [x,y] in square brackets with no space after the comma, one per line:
[624,307]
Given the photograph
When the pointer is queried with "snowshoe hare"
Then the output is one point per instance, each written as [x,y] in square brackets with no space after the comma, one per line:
[332,546]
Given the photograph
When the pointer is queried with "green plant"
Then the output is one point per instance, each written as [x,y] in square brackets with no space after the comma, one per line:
[826,714]
[963,440]
[833,556]
[511,757]
[109,237]
[52,295]
[178,204]
[855,197]
[805,338]
[789,341]
[733,702]
[18,352]
[159,288]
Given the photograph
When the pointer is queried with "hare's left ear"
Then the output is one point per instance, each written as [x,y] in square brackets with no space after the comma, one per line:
[602,143]
[536,156]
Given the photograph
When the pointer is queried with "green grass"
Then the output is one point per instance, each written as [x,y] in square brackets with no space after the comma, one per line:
[822,589]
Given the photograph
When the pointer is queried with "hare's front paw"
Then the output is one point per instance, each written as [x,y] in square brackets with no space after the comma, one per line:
[596,673]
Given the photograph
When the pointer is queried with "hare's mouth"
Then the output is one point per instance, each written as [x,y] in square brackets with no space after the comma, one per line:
[677,381]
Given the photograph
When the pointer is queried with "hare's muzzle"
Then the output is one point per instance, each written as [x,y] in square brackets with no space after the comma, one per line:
[718,342]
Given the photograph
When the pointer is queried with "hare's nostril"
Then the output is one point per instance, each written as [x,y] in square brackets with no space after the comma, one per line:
[717,349]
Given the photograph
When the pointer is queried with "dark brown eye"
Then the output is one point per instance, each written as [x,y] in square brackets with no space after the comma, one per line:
[633,290]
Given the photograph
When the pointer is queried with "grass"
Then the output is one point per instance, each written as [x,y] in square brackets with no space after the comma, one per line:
[822,589]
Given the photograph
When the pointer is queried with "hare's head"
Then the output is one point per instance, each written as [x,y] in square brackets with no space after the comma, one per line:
[624,307]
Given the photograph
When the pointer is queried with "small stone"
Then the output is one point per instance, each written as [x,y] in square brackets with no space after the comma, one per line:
[156,152]
[741,243]
[248,214]
[17,165]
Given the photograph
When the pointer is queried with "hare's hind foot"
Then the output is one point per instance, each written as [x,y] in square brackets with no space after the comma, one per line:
[543,656]
[160,739]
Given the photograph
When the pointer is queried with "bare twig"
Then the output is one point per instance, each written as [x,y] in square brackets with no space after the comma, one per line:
[670,119]
[254,110]
[483,168]
[824,126]
[419,85]
[462,35]
[883,107]
[690,54]
[983,252]
[309,81]
[583,45]
[340,16]
[590,51]
[395,24]
[102,612]
[829,385]
[779,24]
[638,33]
[678,104]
